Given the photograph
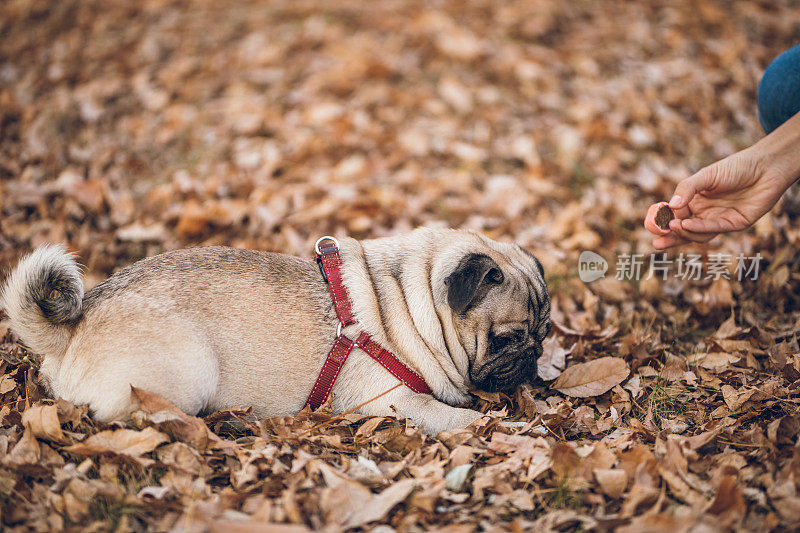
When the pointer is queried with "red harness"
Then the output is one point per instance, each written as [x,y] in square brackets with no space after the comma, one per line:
[330,263]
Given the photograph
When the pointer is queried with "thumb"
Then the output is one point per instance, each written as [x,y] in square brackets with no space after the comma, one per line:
[687,188]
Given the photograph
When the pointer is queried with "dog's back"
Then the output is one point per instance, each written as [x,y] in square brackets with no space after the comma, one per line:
[175,324]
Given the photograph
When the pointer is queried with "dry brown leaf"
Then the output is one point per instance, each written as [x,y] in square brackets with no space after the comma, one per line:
[168,417]
[71,414]
[24,452]
[44,423]
[640,465]
[351,504]
[734,399]
[566,461]
[121,442]
[729,499]
[728,329]
[492,397]
[681,490]
[703,438]
[639,495]
[784,430]
[562,520]
[717,360]
[553,360]
[599,457]
[662,522]
[612,481]
[379,505]
[592,378]
[7,384]
[182,457]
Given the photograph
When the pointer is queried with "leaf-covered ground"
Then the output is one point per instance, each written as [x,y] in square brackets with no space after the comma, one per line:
[130,128]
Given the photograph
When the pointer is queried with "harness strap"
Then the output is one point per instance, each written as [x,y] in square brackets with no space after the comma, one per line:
[391,363]
[330,264]
[342,347]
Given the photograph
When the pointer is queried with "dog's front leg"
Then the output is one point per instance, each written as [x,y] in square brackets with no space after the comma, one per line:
[432,415]
[435,416]
[384,397]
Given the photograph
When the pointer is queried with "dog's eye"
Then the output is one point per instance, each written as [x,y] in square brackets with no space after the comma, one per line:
[515,336]
[495,275]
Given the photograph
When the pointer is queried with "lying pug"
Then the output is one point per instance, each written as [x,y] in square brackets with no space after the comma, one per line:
[214,327]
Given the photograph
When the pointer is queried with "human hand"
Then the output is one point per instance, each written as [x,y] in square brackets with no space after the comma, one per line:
[730,195]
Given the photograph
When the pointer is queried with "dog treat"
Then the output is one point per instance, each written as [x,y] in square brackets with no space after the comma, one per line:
[663,216]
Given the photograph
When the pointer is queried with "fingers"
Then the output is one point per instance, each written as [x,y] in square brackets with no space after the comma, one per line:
[679,232]
[702,225]
[677,227]
[677,238]
[678,235]
[687,188]
[668,241]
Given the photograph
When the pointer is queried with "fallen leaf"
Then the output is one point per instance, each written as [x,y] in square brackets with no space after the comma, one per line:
[351,504]
[233,526]
[592,378]
[612,481]
[566,461]
[121,442]
[25,452]
[457,476]
[44,423]
[7,384]
[784,430]
[729,498]
[637,496]
[716,360]
[380,505]
[553,359]
[735,399]
[168,417]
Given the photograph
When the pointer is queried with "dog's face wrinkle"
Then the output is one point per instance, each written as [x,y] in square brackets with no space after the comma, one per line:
[511,360]
[540,328]
[506,375]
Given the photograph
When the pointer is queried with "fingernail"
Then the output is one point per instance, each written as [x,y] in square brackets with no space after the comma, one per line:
[675,202]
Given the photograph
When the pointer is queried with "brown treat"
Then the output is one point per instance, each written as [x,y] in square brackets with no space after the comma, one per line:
[663,216]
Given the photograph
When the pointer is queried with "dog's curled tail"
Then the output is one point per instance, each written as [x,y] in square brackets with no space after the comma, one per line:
[42,297]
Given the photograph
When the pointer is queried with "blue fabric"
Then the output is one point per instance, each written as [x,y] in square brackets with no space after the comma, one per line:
[779,90]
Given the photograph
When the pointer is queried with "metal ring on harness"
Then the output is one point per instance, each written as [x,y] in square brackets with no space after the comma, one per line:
[323,238]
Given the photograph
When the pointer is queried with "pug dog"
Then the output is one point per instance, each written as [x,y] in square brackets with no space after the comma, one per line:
[212,327]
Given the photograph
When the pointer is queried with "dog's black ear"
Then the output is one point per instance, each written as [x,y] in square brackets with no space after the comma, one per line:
[470,282]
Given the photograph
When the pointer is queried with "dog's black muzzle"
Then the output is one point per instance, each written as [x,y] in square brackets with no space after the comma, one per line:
[507,369]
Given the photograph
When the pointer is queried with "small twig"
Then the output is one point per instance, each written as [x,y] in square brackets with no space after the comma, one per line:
[357,407]
[740,444]
[553,433]
[12,401]
[542,491]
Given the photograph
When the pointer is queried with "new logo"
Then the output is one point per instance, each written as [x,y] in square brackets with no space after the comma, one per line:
[591,266]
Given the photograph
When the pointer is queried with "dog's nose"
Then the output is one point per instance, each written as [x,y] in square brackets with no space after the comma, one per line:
[532,355]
